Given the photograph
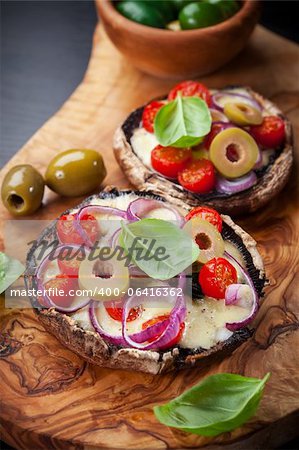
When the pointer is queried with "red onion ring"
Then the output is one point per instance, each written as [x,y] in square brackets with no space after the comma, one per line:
[218,116]
[152,331]
[95,209]
[138,209]
[226,186]
[255,299]
[171,325]
[259,162]
[141,336]
[235,98]
[48,302]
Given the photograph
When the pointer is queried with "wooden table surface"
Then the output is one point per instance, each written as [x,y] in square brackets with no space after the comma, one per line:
[51,398]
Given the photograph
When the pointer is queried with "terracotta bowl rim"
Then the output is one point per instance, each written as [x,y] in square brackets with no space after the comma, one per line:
[106,7]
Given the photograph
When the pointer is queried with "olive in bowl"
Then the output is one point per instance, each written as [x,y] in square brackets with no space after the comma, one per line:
[22,190]
[182,54]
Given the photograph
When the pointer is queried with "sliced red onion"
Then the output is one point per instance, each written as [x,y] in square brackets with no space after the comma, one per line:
[39,274]
[138,209]
[259,162]
[144,335]
[225,186]
[170,328]
[220,99]
[218,116]
[113,241]
[116,340]
[235,295]
[240,295]
[94,210]
[138,337]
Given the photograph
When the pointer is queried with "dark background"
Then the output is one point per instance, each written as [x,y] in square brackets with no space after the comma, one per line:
[45,48]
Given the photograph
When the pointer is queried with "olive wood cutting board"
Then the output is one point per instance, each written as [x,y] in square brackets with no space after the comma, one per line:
[50,397]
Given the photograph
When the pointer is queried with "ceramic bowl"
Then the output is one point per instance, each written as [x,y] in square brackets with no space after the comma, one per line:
[179,54]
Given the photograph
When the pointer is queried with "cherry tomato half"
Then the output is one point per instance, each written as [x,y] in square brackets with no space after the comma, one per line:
[149,114]
[157,319]
[191,89]
[70,264]
[208,214]
[60,283]
[271,132]
[115,311]
[215,276]
[169,161]
[68,234]
[198,176]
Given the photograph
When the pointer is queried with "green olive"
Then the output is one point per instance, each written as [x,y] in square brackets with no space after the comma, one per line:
[233,152]
[141,12]
[208,239]
[199,15]
[227,7]
[22,190]
[75,172]
[243,114]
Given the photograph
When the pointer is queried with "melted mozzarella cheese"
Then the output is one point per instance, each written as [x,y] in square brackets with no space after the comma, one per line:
[143,143]
[206,320]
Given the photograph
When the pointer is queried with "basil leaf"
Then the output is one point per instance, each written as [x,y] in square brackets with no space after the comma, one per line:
[180,251]
[220,403]
[10,270]
[182,122]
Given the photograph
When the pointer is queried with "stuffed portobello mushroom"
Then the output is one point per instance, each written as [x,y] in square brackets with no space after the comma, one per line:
[160,325]
[230,149]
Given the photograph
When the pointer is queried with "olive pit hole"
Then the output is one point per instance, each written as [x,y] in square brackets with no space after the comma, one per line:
[16,201]
[103,269]
[243,108]
[232,153]
[203,241]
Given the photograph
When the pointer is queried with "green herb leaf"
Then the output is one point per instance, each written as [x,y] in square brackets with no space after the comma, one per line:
[180,251]
[220,403]
[182,122]
[10,270]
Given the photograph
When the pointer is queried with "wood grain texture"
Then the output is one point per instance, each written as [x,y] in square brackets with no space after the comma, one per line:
[50,397]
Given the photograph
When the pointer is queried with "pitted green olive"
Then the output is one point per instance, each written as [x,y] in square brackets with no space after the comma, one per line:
[22,190]
[75,172]
[233,152]
[243,114]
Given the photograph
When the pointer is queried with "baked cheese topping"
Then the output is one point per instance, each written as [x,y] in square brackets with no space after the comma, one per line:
[205,323]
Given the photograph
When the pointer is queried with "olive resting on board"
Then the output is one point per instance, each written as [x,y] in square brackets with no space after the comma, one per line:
[75,172]
[22,190]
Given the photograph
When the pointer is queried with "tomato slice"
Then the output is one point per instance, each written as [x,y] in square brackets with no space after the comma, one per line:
[157,319]
[70,266]
[68,234]
[198,176]
[149,114]
[58,289]
[209,214]
[169,161]
[115,311]
[215,276]
[191,89]
[271,132]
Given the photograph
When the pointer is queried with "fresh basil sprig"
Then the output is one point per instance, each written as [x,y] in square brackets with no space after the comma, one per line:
[220,403]
[10,270]
[182,122]
[147,236]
